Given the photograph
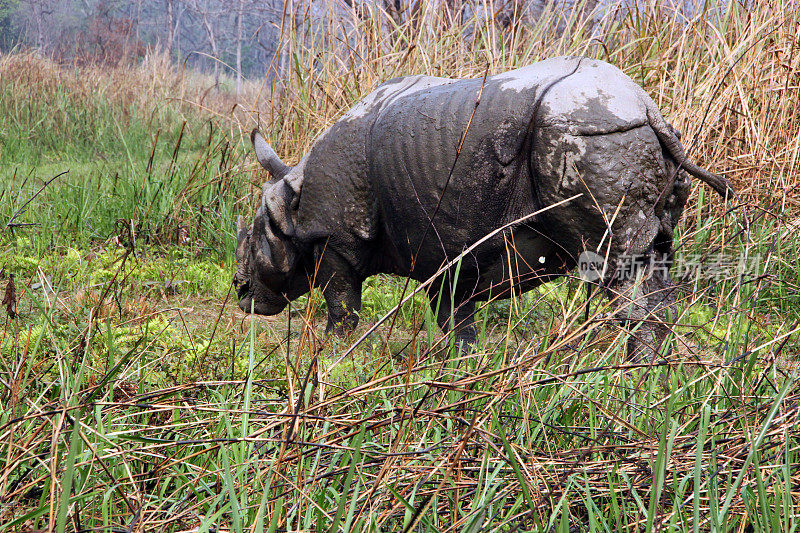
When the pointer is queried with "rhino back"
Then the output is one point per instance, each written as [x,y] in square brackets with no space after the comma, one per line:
[375,180]
[416,167]
[580,95]
[338,204]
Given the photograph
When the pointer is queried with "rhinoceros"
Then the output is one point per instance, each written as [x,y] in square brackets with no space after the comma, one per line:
[423,167]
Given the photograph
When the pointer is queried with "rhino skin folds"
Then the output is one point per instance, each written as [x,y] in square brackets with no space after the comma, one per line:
[385,189]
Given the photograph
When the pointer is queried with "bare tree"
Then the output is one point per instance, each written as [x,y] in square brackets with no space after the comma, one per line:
[251,35]
[39,10]
[286,25]
[34,16]
[209,13]
[173,25]
[239,36]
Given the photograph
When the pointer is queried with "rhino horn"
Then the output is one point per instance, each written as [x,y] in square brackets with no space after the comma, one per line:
[240,224]
[267,156]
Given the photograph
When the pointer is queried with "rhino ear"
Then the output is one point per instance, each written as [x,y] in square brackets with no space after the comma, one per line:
[278,200]
[267,156]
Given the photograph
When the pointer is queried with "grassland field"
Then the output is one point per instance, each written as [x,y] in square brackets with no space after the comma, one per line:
[137,397]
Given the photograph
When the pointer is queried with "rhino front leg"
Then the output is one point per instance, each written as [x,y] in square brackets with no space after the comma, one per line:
[643,302]
[342,291]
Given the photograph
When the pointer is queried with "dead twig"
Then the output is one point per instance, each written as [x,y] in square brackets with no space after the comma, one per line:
[23,208]
[10,298]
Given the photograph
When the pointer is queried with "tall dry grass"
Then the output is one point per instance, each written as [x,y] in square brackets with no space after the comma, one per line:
[148,87]
[730,82]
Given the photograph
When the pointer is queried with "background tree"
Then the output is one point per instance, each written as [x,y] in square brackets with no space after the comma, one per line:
[241,38]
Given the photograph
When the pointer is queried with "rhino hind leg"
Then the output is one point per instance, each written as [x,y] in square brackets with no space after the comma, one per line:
[630,177]
[644,302]
[456,314]
[645,295]
[463,321]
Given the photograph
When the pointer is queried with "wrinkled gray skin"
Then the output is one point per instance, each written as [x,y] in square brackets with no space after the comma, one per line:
[384,190]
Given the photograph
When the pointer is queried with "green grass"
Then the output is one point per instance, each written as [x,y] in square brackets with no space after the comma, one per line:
[573,446]
[137,164]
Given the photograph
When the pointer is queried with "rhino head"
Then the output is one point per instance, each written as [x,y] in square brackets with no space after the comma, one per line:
[271,268]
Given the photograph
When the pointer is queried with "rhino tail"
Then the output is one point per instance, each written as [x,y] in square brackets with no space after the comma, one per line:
[670,141]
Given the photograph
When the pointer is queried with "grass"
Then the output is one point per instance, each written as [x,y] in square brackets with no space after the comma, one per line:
[135,396]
